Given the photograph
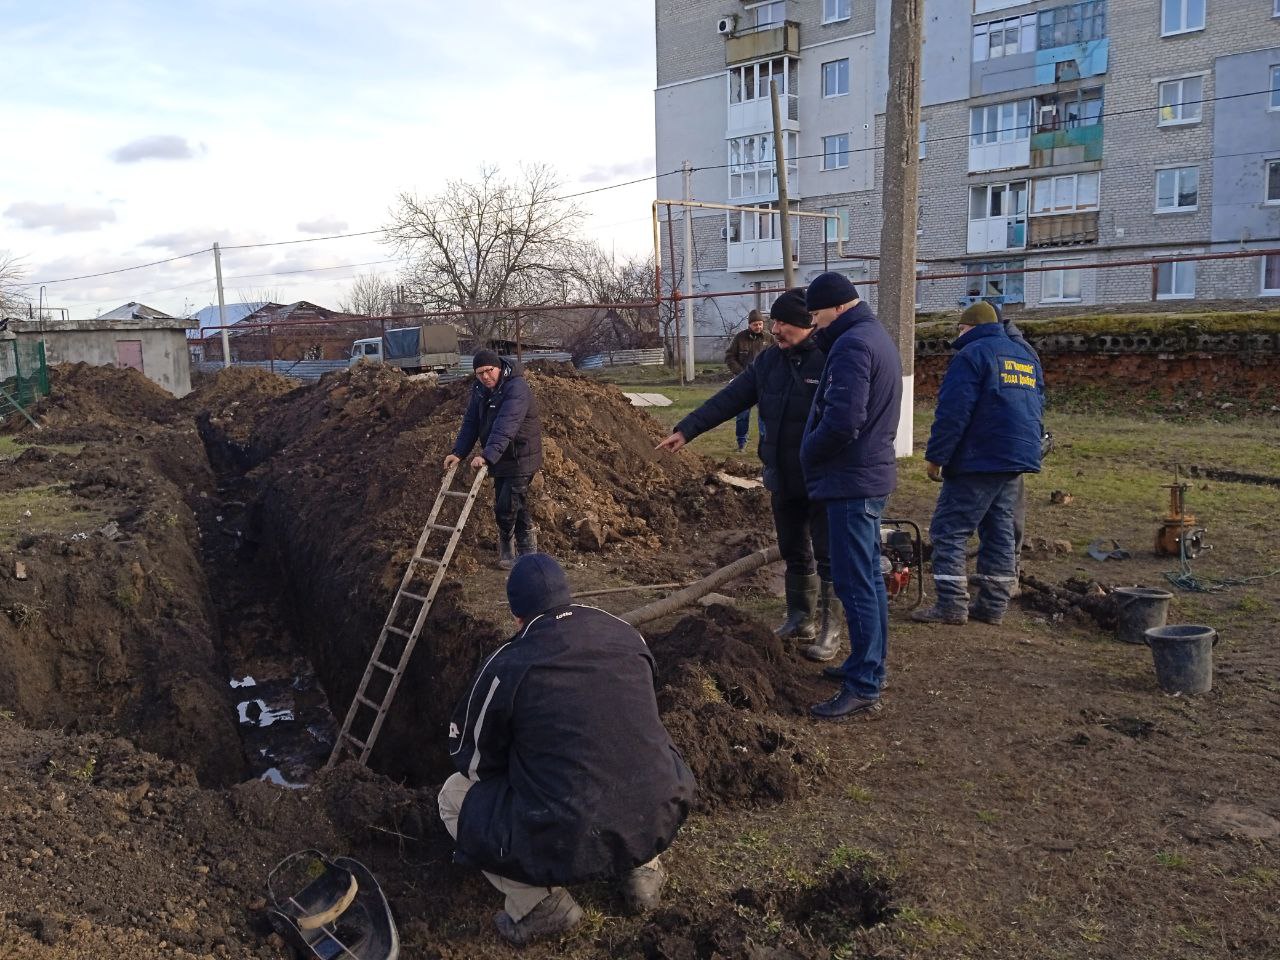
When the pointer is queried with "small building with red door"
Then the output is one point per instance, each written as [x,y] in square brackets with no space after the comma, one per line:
[132,335]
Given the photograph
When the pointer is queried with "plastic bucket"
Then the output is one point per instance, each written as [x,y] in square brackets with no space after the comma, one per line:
[1183,656]
[1141,608]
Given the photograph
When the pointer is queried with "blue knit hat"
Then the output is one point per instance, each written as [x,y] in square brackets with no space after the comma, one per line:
[536,584]
[829,290]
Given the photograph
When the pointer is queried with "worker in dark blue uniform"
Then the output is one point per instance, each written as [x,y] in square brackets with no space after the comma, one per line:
[986,434]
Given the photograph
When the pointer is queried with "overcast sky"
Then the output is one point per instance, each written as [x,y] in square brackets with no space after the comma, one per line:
[137,130]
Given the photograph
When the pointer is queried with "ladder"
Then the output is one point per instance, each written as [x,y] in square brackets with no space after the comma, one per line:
[386,673]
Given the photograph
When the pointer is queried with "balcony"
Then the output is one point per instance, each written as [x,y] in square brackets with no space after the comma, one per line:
[1066,230]
[1077,144]
[998,233]
[763,43]
[1073,61]
[999,156]
[756,116]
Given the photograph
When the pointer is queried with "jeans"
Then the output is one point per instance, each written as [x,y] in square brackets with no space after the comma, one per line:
[510,508]
[801,525]
[743,426]
[982,502]
[853,527]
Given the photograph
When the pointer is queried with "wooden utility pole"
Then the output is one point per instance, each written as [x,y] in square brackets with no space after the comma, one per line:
[899,194]
[780,165]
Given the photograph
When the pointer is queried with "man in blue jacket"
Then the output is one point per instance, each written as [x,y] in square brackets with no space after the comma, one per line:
[986,434]
[502,413]
[782,382]
[565,771]
[849,463]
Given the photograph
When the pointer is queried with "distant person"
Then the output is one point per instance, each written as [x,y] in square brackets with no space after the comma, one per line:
[986,434]
[849,463]
[782,382]
[502,415]
[565,771]
[743,349]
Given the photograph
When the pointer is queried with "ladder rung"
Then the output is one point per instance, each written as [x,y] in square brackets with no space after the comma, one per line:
[456,493]
[442,526]
[399,632]
[427,559]
[353,740]
[413,596]
[379,663]
[367,702]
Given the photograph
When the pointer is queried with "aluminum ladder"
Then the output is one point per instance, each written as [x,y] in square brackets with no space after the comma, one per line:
[388,675]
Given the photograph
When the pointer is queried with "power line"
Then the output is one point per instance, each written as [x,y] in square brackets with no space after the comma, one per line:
[111,273]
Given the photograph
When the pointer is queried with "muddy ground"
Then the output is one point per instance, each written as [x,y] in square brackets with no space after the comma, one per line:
[1029,793]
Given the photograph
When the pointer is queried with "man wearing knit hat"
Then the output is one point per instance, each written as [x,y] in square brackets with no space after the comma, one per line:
[565,771]
[849,464]
[782,383]
[743,349]
[502,414]
[986,434]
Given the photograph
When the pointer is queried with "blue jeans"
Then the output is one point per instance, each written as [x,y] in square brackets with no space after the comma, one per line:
[982,502]
[743,425]
[853,531]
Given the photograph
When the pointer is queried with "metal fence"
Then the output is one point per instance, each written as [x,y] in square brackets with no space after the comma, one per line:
[654,357]
[24,375]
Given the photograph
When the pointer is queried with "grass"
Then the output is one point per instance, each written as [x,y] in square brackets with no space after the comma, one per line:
[47,508]
[10,447]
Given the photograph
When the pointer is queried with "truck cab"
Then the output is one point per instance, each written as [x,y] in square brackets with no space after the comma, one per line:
[368,349]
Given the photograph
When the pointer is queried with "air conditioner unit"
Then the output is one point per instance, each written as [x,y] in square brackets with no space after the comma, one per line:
[724,233]
[726,25]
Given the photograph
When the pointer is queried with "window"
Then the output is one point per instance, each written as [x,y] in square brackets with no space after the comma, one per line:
[1271,266]
[1180,101]
[770,14]
[998,216]
[1067,111]
[833,229]
[1275,85]
[1004,38]
[924,135]
[1177,189]
[752,170]
[1000,123]
[1071,193]
[1060,286]
[751,82]
[1273,181]
[835,78]
[833,10]
[1076,23]
[1176,281]
[1002,279]
[835,152]
[1181,16]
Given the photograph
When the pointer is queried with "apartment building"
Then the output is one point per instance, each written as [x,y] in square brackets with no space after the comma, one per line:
[1054,134]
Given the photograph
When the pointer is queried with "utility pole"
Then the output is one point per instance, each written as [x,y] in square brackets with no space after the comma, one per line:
[687,300]
[222,307]
[897,289]
[780,165]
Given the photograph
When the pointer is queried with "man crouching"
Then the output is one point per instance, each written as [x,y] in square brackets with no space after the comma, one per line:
[565,771]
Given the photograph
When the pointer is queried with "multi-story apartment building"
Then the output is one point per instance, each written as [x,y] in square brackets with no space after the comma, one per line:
[1068,134]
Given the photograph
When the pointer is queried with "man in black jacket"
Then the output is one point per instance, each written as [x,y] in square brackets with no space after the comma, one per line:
[782,381]
[565,771]
[503,415]
[745,346]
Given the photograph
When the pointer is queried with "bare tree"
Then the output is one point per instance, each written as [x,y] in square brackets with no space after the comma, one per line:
[489,243]
[626,317]
[370,295]
[259,295]
[12,297]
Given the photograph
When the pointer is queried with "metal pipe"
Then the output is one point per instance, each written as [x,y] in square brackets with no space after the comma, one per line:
[682,598]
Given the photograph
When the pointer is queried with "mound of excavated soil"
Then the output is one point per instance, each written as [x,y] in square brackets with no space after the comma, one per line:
[230,403]
[98,401]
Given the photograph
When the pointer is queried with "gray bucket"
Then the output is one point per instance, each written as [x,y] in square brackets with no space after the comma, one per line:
[1183,656]
[1140,609]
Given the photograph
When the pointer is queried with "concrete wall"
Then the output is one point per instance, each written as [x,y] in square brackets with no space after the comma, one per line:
[1246,133]
[165,359]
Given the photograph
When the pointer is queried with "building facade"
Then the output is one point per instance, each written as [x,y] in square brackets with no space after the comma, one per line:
[1089,137]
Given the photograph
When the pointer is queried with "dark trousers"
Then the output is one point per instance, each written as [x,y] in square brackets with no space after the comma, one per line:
[982,502]
[1019,519]
[801,525]
[510,508]
[742,426]
[854,528]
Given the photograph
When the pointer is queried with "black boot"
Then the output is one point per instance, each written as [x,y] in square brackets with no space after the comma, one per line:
[527,541]
[830,614]
[506,551]
[802,597]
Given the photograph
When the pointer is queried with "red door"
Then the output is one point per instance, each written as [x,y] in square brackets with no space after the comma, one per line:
[129,354]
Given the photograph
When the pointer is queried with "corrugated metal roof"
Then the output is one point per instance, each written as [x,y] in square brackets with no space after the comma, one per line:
[134,311]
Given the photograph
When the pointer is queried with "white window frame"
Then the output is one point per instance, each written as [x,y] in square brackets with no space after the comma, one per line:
[1274,102]
[1182,103]
[1006,129]
[768,5]
[1183,9]
[1263,289]
[1267,167]
[828,94]
[1174,269]
[834,11]
[831,229]
[1051,183]
[1025,27]
[827,154]
[1176,170]
[1060,277]
[1275,8]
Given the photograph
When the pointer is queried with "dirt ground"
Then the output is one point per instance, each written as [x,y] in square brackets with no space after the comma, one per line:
[1029,792]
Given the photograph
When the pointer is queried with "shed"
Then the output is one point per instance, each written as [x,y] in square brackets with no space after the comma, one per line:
[132,335]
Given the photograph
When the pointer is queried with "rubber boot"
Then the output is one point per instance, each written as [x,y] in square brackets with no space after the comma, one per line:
[527,542]
[830,614]
[802,597]
[506,551]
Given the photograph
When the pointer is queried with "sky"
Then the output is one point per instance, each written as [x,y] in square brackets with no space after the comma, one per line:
[142,130]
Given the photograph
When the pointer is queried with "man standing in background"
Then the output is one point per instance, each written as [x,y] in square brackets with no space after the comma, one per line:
[743,349]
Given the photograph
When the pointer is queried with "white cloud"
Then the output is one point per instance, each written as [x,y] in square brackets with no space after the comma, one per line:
[323,226]
[61,217]
[161,147]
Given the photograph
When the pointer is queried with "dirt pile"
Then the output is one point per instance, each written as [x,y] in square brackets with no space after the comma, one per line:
[96,402]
